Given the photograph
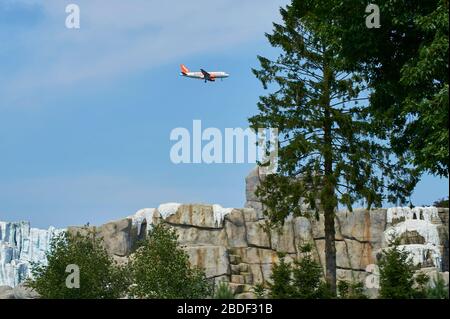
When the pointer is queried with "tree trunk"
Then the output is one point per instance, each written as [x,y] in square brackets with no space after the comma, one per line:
[329,202]
[330,250]
[329,205]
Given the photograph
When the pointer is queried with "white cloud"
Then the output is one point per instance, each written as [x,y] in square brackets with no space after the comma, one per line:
[118,37]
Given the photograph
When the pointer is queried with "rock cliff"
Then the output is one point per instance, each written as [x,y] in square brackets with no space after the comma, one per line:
[238,249]
[232,244]
[19,245]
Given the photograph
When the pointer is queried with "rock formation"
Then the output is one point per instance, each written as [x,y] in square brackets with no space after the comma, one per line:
[19,245]
[232,244]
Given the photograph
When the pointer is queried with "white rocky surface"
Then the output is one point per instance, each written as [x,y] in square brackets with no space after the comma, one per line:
[141,216]
[168,209]
[220,213]
[406,213]
[423,253]
[420,224]
[424,228]
[20,245]
[231,243]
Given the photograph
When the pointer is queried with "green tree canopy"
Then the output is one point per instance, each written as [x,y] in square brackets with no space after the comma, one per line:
[406,65]
[161,269]
[100,277]
[329,153]
[396,273]
[301,279]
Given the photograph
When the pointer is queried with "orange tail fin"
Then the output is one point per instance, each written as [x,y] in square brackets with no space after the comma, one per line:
[184,69]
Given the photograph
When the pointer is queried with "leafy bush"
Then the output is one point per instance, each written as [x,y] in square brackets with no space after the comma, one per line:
[260,291]
[443,202]
[223,291]
[438,289]
[100,277]
[396,274]
[161,269]
[399,281]
[302,279]
[421,290]
[281,285]
[351,290]
[307,275]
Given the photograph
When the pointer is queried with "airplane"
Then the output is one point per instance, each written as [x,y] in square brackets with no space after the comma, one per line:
[202,75]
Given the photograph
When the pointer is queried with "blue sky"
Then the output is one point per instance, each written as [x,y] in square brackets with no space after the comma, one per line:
[85,115]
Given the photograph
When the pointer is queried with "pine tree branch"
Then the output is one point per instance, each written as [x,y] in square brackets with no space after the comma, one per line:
[349,101]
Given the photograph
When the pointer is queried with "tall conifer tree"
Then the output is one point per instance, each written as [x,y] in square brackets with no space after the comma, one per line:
[327,151]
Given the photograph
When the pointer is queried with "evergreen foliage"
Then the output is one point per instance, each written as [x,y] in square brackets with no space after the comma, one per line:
[302,279]
[329,150]
[161,269]
[100,277]
[396,274]
[223,291]
[406,66]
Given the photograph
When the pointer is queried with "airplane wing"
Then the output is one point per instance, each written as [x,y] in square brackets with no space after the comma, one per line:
[206,74]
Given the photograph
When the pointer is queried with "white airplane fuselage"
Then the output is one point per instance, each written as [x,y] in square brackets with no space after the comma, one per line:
[200,76]
[203,75]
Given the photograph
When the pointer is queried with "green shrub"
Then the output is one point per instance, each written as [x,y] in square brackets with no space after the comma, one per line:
[351,290]
[307,275]
[260,291]
[302,279]
[422,282]
[438,289]
[99,276]
[397,280]
[281,277]
[161,269]
[443,202]
[223,291]
[396,274]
